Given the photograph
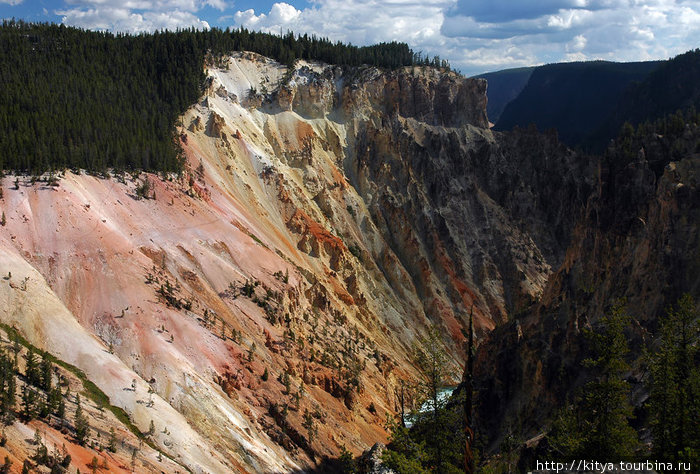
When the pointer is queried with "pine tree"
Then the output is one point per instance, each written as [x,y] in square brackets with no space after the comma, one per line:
[45,377]
[310,425]
[31,370]
[251,352]
[674,385]
[597,425]
[432,361]
[346,461]
[7,465]
[8,387]
[61,407]
[406,454]
[286,381]
[28,402]
[82,426]
[112,445]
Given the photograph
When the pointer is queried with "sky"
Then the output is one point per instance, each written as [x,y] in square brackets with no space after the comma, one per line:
[476,36]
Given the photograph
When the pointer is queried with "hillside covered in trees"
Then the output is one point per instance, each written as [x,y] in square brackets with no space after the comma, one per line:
[574,98]
[671,87]
[94,100]
[589,102]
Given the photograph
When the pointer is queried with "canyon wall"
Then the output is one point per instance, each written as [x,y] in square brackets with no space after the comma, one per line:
[325,218]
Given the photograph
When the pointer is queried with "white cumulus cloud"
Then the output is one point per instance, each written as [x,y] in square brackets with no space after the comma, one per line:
[475,35]
[356,21]
[566,30]
[135,16]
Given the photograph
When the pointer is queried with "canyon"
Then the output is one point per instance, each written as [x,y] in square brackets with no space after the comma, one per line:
[261,309]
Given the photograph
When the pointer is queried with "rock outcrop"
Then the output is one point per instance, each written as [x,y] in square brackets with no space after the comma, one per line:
[636,242]
[371,461]
[325,218]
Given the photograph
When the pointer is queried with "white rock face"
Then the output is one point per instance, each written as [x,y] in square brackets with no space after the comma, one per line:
[298,190]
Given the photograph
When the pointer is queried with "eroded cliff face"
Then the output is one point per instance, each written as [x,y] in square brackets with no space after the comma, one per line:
[635,242]
[325,219]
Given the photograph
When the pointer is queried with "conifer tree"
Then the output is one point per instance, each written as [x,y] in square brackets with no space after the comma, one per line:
[597,425]
[112,445]
[45,377]
[28,402]
[6,466]
[82,426]
[674,385]
[61,407]
[432,362]
[31,370]
[8,386]
[310,425]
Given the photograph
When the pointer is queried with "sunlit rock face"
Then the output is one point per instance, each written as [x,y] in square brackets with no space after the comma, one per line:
[325,218]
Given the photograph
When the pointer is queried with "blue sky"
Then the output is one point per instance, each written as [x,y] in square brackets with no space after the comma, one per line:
[475,35]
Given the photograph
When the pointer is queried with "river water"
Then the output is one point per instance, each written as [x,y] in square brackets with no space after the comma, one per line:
[427,406]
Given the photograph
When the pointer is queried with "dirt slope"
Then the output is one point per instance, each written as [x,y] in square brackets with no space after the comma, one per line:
[324,220]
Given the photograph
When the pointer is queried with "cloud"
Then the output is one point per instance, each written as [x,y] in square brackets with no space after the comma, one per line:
[356,21]
[475,35]
[568,30]
[157,5]
[498,11]
[11,2]
[218,4]
[135,16]
[125,20]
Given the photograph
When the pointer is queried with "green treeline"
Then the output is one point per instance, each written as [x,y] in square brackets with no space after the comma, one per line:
[290,47]
[76,99]
[92,100]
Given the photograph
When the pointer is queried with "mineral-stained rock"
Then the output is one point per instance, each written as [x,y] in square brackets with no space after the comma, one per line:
[318,228]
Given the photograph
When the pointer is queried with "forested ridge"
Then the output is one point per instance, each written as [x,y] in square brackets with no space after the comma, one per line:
[93,100]
[673,86]
[575,98]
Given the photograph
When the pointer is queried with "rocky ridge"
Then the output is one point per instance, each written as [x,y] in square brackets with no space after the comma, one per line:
[635,242]
[325,219]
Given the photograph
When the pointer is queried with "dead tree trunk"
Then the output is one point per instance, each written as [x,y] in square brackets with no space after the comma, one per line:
[468,377]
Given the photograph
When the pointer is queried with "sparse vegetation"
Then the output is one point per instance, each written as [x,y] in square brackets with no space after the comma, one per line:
[310,426]
[89,388]
[251,352]
[82,427]
[144,190]
[355,251]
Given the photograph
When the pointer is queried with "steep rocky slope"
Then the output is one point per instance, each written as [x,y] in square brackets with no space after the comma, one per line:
[265,303]
[636,242]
